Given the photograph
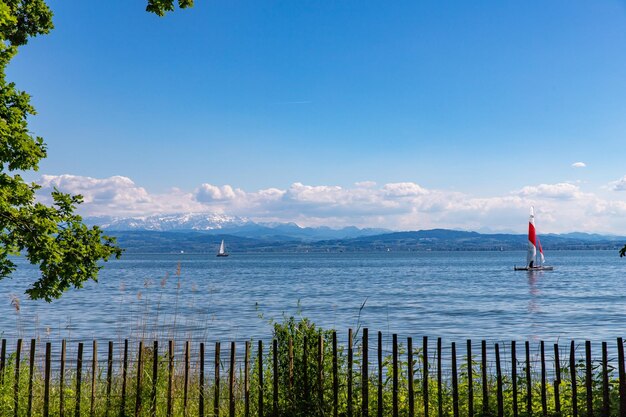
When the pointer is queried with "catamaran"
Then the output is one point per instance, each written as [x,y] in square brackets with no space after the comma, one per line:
[533,262]
[222,252]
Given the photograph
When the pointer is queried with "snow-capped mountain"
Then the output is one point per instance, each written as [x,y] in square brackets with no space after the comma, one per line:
[214,223]
[170,222]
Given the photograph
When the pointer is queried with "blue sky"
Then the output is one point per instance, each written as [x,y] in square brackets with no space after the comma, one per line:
[476,103]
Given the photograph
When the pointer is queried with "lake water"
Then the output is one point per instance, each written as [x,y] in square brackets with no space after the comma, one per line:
[454,295]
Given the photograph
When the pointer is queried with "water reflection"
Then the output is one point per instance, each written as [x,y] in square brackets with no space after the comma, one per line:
[533,291]
[534,307]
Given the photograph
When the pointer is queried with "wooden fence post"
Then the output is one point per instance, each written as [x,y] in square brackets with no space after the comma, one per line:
[395,374]
[62,380]
[499,383]
[606,406]
[3,354]
[216,387]
[529,393]
[409,351]
[622,377]
[470,380]
[155,377]
[79,370]
[379,399]
[139,374]
[350,373]
[425,373]
[94,373]
[31,371]
[246,380]
[124,374]
[439,379]
[231,380]
[514,377]
[364,375]
[588,378]
[109,379]
[46,390]
[335,377]
[557,380]
[572,365]
[455,384]
[485,382]
[544,399]
[16,382]
[201,382]
[185,377]
[261,393]
[170,377]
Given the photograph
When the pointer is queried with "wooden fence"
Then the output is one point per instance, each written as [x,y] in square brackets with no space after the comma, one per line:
[314,377]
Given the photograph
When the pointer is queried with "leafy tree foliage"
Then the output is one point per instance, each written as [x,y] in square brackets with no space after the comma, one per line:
[160,7]
[52,237]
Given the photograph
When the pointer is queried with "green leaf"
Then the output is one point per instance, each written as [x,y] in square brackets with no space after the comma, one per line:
[67,252]
[161,7]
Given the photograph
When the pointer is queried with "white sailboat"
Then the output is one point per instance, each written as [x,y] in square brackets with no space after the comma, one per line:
[222,251]
[533,262]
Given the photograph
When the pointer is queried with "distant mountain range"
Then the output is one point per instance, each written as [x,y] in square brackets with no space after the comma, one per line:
[169,222]
[213,223]
[201,233]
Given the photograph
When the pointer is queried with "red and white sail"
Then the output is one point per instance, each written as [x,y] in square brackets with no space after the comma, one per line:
[542,260]
[532,239]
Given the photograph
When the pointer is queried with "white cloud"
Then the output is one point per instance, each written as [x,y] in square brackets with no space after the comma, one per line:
[116,196]
[618,185]
[560,207]
[564,191]
[208,193]
[112,190]
[320,194]
[579,165]
[404,189]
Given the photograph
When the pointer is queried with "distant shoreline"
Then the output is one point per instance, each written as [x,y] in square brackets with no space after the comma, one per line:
[438,240]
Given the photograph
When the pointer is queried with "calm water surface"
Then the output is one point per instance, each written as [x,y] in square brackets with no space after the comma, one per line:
[455,295]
